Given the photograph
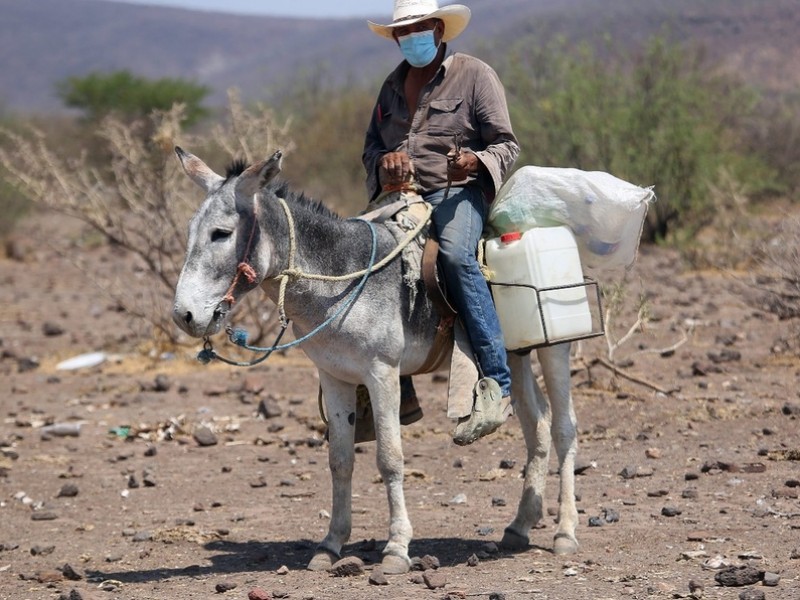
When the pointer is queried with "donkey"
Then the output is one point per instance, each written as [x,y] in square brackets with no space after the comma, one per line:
[252,224]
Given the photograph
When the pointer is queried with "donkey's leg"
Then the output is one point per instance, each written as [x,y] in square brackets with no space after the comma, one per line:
[384,389]
[340,400]
[555,368]
[533,411]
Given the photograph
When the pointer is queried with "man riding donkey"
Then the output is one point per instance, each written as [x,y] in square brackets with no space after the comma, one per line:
[431,99]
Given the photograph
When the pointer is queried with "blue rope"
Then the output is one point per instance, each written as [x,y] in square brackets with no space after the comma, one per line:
[239,336]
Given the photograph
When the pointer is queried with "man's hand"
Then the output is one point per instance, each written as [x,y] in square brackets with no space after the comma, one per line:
[394,168]
[460,165]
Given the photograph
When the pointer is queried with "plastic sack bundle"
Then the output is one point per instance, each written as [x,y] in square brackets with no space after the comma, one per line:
[605,213]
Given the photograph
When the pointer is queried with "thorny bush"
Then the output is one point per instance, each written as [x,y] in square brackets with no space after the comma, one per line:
[141,201]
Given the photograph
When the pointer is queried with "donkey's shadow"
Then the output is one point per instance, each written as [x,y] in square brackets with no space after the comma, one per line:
[229,558]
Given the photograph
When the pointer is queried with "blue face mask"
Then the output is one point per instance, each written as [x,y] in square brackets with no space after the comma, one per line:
[418,48]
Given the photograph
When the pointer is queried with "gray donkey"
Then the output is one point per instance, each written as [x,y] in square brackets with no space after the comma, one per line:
[247,232]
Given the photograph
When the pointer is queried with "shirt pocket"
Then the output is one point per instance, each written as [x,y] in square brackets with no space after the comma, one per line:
[446,117]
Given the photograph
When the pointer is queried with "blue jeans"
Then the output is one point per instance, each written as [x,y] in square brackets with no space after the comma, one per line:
[458,222]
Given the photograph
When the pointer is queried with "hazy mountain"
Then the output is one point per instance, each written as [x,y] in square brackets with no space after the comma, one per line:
[44,41]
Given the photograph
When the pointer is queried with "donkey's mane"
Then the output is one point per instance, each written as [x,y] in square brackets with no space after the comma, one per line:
[281,189]
[235,168]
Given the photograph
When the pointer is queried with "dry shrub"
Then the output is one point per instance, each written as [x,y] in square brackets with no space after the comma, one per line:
[779,275]
[140,201]
[727,241]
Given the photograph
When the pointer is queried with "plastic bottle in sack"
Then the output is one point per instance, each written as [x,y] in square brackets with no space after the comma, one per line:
[541,257]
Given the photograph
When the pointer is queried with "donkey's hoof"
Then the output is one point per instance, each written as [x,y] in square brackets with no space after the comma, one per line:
[564,544]
[323,560]
[394,565]
[513,540]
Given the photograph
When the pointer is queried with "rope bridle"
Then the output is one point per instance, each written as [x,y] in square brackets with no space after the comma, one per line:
[244,268]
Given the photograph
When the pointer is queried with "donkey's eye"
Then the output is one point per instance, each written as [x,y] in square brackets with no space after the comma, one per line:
[220,234]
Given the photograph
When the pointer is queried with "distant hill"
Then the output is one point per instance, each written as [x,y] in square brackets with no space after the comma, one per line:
[44,41]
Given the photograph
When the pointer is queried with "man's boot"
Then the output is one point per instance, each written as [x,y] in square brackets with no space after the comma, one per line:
[489,411]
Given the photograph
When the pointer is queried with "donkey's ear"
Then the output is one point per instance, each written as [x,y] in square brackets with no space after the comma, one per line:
[256,176]
[198,171]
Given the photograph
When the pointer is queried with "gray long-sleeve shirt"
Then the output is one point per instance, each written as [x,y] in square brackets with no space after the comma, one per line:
[465,96]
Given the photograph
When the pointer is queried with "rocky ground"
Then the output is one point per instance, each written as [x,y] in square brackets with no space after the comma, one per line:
[151,476]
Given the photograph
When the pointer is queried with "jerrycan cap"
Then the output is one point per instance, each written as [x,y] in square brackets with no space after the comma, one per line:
[511,236]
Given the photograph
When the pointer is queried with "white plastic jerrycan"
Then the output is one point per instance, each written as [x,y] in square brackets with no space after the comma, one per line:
[540,258]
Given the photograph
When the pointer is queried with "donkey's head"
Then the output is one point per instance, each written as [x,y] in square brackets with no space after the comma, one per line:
[225,255]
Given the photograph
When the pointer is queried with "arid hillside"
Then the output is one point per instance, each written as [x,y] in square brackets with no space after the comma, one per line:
[46,41]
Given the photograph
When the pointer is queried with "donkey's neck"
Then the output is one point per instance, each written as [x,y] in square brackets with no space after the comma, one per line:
[315,241]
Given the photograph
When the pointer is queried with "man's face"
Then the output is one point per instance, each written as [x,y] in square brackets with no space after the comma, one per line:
[428,24]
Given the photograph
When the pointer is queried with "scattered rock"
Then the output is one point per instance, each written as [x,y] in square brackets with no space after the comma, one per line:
[258,594]
[68,490]
[790,409]
[497,501]
[349,566]
[73,594]
[771,579]
[632,471]
[458,499]
[508,463]
[426,563]
[473,560]
[670,511]
[162,383]
[738,576]
[653,453]
[147,478]
[44,515]
[378,578]
[142,536]
[70,573]
[204,436]
[724,356]
[50,329]
[695,586]
[434,580]
[49,576]
[61,430]
[282,570]
[752,594]
[259,482]
[39,550]
[268,408]
[224,586]
[610,515]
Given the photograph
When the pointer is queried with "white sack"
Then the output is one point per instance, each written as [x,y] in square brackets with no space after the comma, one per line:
[605,213]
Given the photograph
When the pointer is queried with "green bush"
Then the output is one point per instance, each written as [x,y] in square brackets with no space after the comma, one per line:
[660,117]
[131,97]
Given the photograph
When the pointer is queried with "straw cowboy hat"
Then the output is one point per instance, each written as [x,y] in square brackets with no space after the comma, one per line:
[406,12]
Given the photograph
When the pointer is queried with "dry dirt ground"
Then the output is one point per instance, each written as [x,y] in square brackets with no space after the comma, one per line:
[687,467]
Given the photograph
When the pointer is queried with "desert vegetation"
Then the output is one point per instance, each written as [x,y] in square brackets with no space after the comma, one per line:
[719,154]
